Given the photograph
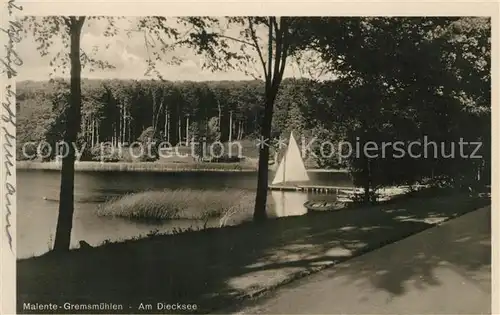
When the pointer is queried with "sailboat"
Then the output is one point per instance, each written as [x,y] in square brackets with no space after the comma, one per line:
[291,168]
[290,172]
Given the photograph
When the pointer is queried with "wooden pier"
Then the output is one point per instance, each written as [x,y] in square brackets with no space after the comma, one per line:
[315,188]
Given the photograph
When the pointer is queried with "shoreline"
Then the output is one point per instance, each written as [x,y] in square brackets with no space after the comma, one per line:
[91,166]
[136,167]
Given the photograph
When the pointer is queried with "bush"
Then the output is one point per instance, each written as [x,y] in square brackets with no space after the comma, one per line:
[226,159]
[86,153]
[105,153]
[148,158]
[149,141]
[30,152]
[147,135]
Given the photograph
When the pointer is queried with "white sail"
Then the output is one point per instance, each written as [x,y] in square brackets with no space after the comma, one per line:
[291,168]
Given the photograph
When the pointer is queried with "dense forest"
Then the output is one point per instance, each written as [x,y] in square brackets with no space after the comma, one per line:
[120,111]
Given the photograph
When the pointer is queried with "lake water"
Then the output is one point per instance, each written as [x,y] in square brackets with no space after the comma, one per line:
[36,217]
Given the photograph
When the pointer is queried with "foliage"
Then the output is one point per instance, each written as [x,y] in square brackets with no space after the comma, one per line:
[149,141]
[105,102]
[226,158]
[430,80]
[104,152]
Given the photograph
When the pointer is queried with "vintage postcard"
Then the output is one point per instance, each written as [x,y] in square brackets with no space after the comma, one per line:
[249,157]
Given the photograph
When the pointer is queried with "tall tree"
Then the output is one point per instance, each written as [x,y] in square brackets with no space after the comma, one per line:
[71,28]
[68,30]
[269,41]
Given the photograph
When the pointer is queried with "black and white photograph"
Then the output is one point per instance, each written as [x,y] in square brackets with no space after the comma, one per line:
[247,164]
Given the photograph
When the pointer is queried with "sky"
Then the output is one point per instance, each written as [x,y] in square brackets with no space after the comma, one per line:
[128,54]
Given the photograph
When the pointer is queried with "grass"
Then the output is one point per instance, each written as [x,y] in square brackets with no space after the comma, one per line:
[217,267]
[181,204]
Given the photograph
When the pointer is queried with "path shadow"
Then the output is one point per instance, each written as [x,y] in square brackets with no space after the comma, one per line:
[470,254]
[218,267]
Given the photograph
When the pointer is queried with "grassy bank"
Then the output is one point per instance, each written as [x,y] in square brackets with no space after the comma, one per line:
[181,204]
[140,167]
[215,268]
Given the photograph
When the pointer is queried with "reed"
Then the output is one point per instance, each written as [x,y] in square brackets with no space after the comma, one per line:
[182,204]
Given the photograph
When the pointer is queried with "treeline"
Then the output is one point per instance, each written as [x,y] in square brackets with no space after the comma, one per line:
[118,111]
[124,111]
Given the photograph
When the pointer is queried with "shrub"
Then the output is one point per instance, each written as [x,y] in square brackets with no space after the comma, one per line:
[149,140]
[104,153]
[226,159]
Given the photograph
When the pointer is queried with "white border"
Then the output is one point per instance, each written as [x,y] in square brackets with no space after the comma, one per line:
[280,8]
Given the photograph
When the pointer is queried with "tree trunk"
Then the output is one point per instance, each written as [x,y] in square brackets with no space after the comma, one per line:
[230,125]
[117,133]
[165,127]
[187,130]
[366,163]
[157,115]
[367,184]
[180,129]
[260,213]
[119,127]
[126,122]
[122,119]
[113,134]
[168,128]
[153,109]
[219,121]
[206,124]
[124,125]
[66,196]
[129,126]
[273,81]
[207,129]
[92,133]
[97,139]
[240,130]
[86,130]
[237,129]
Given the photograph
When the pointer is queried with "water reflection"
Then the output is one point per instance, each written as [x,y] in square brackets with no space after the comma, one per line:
[289,203]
